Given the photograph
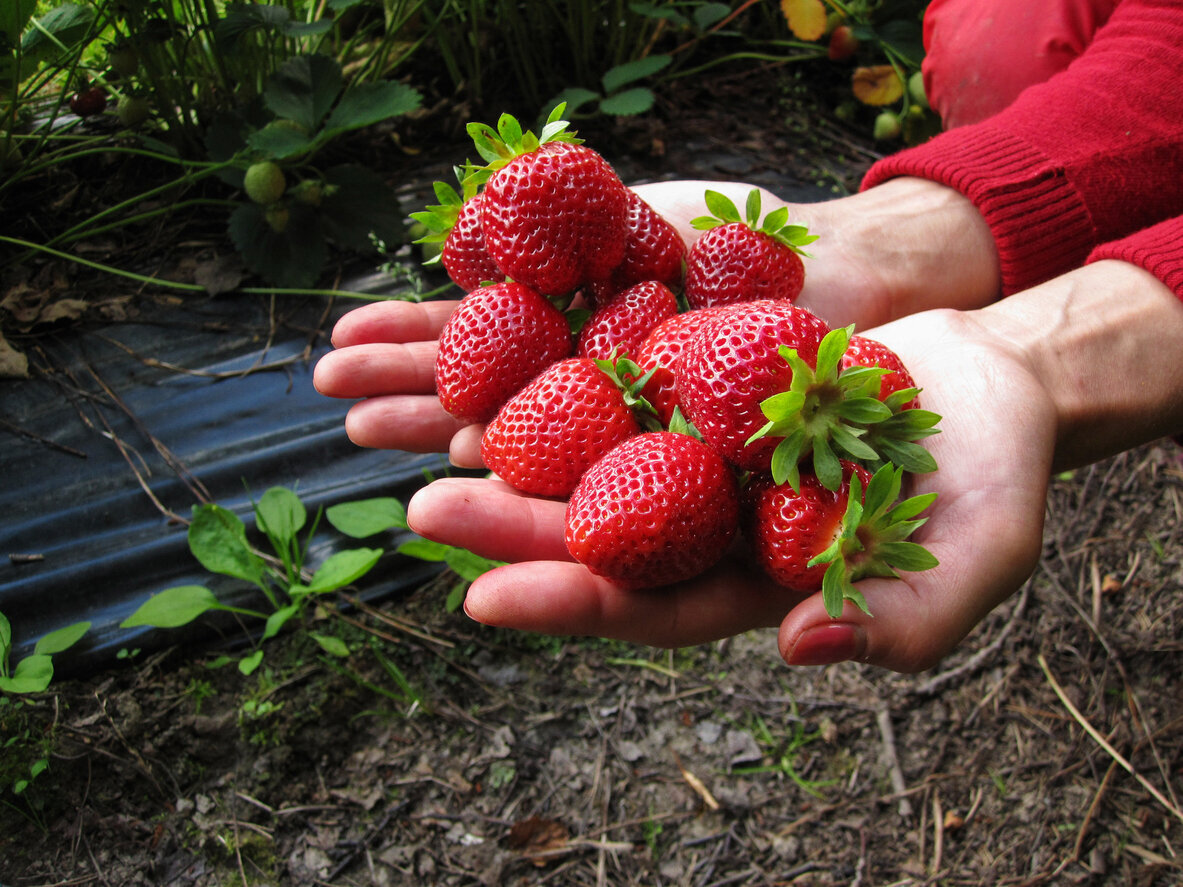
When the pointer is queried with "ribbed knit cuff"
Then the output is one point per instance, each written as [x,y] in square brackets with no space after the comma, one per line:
[1040,222]
[1157,249]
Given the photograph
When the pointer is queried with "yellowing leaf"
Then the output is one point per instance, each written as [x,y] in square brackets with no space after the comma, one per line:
[877,85]
[806,18]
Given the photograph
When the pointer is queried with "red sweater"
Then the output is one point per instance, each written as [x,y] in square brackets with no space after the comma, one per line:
[1085,166]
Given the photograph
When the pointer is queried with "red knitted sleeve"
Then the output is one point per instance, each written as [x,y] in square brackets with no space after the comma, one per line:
[1157,249]
[1091,155]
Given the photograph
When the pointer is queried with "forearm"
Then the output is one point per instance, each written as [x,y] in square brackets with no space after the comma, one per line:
[1106,340]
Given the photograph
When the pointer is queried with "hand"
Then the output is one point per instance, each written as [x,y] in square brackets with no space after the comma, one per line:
[906,245]
[1041,381]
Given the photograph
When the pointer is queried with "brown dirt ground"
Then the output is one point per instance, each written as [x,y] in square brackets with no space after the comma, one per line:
[1048,749]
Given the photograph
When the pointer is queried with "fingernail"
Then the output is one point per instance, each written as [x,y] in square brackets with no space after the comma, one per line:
[826,644]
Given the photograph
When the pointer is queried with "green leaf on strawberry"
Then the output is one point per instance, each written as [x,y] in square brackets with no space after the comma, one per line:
[499,146]
[873,541]
[830,413]
[774,225]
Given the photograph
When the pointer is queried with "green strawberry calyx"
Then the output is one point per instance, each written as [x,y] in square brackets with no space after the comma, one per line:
[775,224]
[873,541]
[829,414]
[631,379]
[438,219]
[508,141]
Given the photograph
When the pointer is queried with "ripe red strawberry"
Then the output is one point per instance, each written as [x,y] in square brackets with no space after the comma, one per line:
[549,433]
[843,44]
[826,540]
[861,351]
[834,410]
[89,101]
[554,212]
[733,364]
[498,338]
[660,352]
[653,250]
[659,508]
[456,223]
[741,259]
[619,326]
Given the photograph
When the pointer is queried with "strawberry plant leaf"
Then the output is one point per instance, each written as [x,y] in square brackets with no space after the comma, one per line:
[619,76]
[368,103]
[628,103]
[304,89]
[279,141]
[357,204]
[574,97]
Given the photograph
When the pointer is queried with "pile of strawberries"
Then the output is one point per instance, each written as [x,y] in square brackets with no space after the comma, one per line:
[678,399]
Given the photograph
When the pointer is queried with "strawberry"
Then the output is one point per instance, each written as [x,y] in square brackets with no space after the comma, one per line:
[89,101]
[658,508]
[549,433]
[498,338]
[653,250]
[833,409]
[741,259]
[456,223]
[861,351]
[825,540]
[843,44]
[554,212]
[619,326]
[659,353]
[733,364]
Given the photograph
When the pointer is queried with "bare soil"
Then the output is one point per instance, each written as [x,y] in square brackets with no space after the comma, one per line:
[1048,749]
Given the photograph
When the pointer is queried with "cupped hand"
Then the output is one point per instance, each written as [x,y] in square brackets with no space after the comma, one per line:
[995,456]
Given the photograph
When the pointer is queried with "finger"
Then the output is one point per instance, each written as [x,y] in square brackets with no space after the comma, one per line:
[465,448]
[392,321]
[564,598]
[377,368]
[490,518]
[416,423]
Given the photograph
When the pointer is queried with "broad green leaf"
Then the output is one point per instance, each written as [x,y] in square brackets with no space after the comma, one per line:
[304,89]
[721,206]
[173,607]
[620,76]
[61,639]
[370,103]
[242,18]
[708,14]
[469,566]
[248,664]
[14,15]
[32,675]
[366,517]
[576,97]
[455,598]
[331,645]
[280,142]
[632,101]
[307,29]
[278,619]
[293,257]
[343,568]
[217,538]
[653,10]
[64,25]
[424,549]
[280,514]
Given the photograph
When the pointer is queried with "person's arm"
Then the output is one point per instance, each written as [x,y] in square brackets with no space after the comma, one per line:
[1049,378]
[1089,156]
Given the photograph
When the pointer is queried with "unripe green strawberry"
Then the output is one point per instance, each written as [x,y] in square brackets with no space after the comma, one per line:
[132,110]
[887,126]
[278,216]
[264,182]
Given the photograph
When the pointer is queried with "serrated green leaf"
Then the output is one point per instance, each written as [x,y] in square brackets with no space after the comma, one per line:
[633,101]
[366,517]
[368,103]
[621,75]
[574,97]
[343,568]
[707,14]
[280,142]
[217,538]
[61,639]
[292,258]
[173,607]
[304,89]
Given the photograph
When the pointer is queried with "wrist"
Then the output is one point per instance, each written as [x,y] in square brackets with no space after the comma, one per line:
[1106,341]
[918,244]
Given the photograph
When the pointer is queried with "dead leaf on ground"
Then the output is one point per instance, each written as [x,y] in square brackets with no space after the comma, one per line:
[536,836]
[13,364]
[877,85]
